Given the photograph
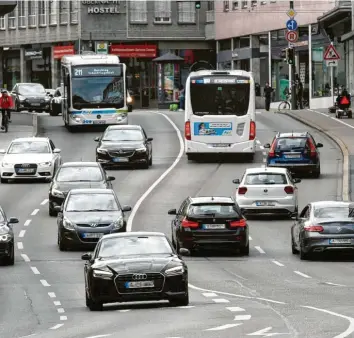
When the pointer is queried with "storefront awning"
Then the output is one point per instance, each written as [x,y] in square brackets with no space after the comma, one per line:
[335,16]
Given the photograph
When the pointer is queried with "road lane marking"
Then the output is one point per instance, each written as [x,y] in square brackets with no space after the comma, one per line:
[164,174]
[22,233]
[55,327]
[19,245]
[334,284]
[220,300]
[243,317]
[264,333]
[27,223]
[44,283]
[346,124]
[260,249]
[209,294]
[235,309]
[63,318]
[278,263]
[25,258]
[61,310]
[100,336]
[57,303]
[185,307]
[124,311]
[45,201]
[52,295]
[302,274]
[223,327]
[35,270]
[34,212]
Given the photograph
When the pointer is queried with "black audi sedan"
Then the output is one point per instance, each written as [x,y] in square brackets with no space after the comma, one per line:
[324,226]
[135,266]
[87,215]
[7,239]
[210,223]
[76,175]
[125,145]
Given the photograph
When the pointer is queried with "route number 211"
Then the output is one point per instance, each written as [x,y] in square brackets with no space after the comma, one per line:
[78,72]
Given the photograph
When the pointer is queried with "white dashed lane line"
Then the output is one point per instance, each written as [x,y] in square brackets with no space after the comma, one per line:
[101,336]
[243,317]
[235,309]
[223,327]
[63,318]
[55,327]
[61,310]
[22,233]
[27,223]
[44,283]
[209,294]
[221,300]
[34,212]
[259,249]
[25,258]
[122,311]
[35,270]
[278,263]
[45,201]
[57,303]
[52,295]
[19,245]
[302,274]
[334,284]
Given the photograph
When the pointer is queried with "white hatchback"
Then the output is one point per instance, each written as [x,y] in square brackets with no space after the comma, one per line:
[263,191]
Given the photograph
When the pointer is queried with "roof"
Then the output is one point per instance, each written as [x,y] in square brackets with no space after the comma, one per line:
[212,199]
[135,234]
[80,164]
[91,191]
[125,127]
[324,204]
[33,138]
[266,170]
[298,134]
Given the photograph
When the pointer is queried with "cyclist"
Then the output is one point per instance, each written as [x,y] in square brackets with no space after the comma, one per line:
[344,100]
[5,105]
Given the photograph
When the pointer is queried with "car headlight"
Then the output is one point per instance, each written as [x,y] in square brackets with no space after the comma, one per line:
[101,151]
[45,164]
[141,150]
[178,270]
[5,238]
[129,100]
[22,98]
[57,193]
[4,164]
[118,224]
[68,224]
[102,274]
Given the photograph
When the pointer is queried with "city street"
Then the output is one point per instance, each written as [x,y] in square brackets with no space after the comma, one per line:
[269,293]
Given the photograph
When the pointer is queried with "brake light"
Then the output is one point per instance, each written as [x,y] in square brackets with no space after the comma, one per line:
[313,228]
[241,190]
[238,224]
[313,151]
[272,150]
[189,224]
[289,189]
[252,134]
[187,130]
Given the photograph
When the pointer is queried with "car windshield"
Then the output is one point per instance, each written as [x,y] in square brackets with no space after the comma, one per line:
[265,178]
[79,174]
[92,202]
[221,210]
[31,89]
[29,147]
[123,135]
[134,245]
[291,143]
[331,212]
[228,95]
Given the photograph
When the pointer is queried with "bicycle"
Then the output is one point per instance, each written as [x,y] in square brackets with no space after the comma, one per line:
[6,121]
[285,104]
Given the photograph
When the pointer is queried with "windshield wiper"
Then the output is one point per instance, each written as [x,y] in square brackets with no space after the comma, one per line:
[97,210]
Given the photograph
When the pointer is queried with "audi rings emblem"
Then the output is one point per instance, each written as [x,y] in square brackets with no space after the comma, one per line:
[25,165]
[140,276]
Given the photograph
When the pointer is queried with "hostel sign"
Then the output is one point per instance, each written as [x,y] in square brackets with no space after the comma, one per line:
[103,7]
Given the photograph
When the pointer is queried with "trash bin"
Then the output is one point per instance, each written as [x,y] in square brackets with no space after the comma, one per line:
[145,98]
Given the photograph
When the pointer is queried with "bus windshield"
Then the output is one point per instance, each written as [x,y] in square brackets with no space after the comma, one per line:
[220,96]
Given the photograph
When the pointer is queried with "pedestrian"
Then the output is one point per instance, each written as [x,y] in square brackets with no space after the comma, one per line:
[300,94]
[6,104]
[181,97]
[268,90]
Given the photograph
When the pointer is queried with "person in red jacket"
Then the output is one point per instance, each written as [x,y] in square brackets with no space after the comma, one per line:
[6,104]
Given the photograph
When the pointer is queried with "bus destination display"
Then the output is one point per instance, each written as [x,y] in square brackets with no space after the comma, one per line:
[96,71]
[220,80]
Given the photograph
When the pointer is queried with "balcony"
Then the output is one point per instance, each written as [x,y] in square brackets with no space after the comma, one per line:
[138,17]
[74,17]
[32,20]
[22,20]
[210,16]
[63,18]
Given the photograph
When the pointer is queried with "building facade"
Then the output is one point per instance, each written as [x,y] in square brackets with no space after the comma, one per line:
[38,33]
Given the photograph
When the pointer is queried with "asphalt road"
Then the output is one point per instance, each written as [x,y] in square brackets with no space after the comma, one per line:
[271,291]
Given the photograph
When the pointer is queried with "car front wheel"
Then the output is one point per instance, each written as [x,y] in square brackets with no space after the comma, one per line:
[181,300]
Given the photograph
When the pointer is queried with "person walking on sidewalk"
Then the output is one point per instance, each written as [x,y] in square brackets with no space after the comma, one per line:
[6,104]
[268,90]
[181,97]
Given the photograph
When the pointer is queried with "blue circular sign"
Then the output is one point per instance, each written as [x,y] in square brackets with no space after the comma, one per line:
[291,25]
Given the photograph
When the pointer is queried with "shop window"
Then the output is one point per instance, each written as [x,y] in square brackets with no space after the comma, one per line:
[186,12]
[245,42]
[138,11]
[12,19]
[32,14]
[63,12]
[74,13]
[52,10]
[2,23]
[235,5]
[226,6]
[162,11]
[42,13]
[22,18]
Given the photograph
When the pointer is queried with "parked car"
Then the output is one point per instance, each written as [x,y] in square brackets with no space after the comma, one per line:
[55,103]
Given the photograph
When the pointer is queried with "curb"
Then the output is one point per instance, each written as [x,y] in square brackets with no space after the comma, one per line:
[341,145]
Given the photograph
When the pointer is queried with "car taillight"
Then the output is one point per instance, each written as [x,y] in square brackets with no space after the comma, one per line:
[272,150]
[187,130]
[252,134]
[238,224]
[289,190]
[313,150]
[313,228]
[189,224]
[241,190]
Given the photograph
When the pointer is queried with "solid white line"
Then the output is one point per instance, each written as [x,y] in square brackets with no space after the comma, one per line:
[221,300]
[154,185]
[258,248]
[27,223]
[61,310]
[35,270]
[334,284]
[22,233]
[235,309]
[223,327]
[44,282]
[277,263]
[55,327]
[45,201]
[100,336]
[19,245]
[63,318]
[243,317]
[270,300]
[51,295]
[124,310]
[34,212]
[209,294]
[250,238]
[185,307]
[25,258]
[57,303]
[302,274]
[346,124]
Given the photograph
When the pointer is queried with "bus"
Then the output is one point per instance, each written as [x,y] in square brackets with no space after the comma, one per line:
[94,89]
[220,115]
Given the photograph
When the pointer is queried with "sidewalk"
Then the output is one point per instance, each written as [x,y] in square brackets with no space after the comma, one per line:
[15,131]
[340,133]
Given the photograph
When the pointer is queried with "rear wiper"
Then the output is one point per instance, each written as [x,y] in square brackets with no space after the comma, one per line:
[212,214]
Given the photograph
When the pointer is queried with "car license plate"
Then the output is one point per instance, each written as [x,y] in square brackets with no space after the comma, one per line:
[99,122]
[121,159]
[26,171]
[340,241]
[213,226]
[265,204]
[138,285]
[92,235]
[292,156]
[36,104]
[220,145]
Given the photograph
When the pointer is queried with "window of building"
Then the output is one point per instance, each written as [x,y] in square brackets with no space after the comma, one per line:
[226,6]
[186,12]
[244,4]
[235,5]
[32,14]
[63,12]
[254,3]
[74,12]
[42,13]
[211,6]
[162,12]
[2,23]
[12,19]
[245,42]
[52,10]
[138,11]
[22,18]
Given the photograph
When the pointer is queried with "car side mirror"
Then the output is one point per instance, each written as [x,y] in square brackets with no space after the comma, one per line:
[319,145]
[57,151]
[50,95]
[236,181]
[172,212]
[13,220]
[295,217]
[126,208]
[111,178]
[2,151]
[184,252]
[296,180]
[86,257]
[266,146]
[149,139]
[97,139]
[57,208]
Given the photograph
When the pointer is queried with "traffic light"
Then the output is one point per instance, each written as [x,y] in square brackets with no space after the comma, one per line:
[197,5]
[283,54]
[290,57]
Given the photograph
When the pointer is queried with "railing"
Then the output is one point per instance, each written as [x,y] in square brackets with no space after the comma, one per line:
[32,20]
[210,16]
[186,17]
[12,22]
[136,16]
[74,17]
[22,21]
[42,19]
[162,16]
[63,18]
[53,20]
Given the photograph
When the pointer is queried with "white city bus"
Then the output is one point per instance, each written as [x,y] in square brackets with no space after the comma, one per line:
[220,114]
[95,90]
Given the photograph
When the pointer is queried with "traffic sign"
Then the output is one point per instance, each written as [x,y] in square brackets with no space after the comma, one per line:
[292,36]
[291,13]
[331,54]
[291,25]
[332,63]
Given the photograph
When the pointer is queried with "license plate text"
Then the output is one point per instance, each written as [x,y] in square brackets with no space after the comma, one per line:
[142,284]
